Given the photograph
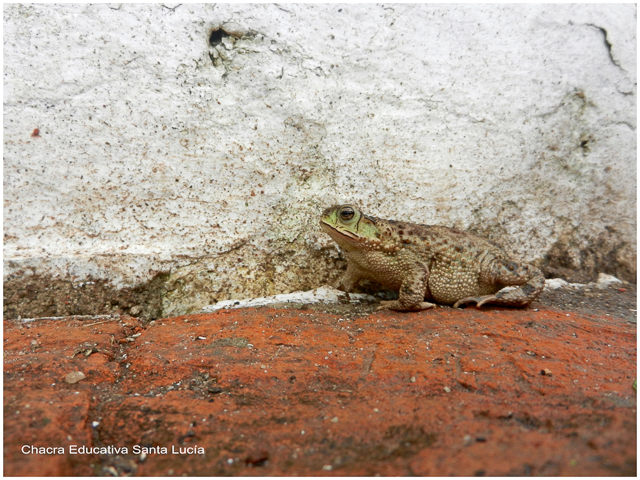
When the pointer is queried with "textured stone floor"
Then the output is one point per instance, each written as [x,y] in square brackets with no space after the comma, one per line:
[299,392]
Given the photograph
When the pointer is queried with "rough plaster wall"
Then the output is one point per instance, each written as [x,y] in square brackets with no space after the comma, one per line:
[158,152]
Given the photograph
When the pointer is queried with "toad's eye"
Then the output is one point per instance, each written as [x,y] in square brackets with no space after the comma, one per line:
[346,214]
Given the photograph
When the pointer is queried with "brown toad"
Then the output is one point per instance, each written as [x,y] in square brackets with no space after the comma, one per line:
[426,262]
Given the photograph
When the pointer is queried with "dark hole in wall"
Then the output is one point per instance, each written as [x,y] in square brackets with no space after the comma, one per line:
[216,37]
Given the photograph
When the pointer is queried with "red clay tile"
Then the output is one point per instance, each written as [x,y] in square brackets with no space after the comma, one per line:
[299,392]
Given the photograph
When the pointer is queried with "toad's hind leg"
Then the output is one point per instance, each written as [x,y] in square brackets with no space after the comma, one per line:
[527,280]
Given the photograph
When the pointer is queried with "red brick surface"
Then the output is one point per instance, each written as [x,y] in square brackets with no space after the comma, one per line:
[299,392]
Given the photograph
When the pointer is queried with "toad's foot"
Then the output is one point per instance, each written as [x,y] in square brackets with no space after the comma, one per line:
[478,300]
[508,297]
[396,305]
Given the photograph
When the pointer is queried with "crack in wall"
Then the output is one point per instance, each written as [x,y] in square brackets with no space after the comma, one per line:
[626,124]
[171,9]
[607,44]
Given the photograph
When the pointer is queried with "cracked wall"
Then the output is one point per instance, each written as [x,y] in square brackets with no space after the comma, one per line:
[181,154]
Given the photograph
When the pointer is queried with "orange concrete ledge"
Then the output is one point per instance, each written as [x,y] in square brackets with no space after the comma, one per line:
[299,392]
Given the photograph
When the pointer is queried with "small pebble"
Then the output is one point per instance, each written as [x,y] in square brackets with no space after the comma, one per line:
[74,377]
[447,389]
[546,372]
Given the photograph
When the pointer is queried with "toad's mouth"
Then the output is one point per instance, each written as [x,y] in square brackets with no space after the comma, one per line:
[341,233]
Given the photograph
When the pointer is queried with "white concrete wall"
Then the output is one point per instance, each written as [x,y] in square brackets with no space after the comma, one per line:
[157,152]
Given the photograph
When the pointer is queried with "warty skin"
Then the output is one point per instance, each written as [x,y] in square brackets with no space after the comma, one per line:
[427,263]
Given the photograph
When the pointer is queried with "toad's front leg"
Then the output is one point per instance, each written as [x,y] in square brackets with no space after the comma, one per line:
[349,278]
[412,292]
